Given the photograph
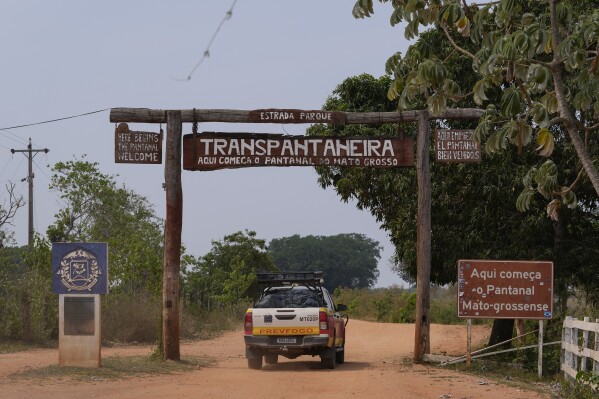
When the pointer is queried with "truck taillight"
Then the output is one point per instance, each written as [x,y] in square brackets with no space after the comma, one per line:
[248,325]
[323,320]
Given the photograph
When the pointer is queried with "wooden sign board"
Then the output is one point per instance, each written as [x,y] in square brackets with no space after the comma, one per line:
[212,151]
[492,289]
[457,146]
[272,115]
[137,147]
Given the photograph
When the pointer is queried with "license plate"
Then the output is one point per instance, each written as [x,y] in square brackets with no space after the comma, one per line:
[286,340]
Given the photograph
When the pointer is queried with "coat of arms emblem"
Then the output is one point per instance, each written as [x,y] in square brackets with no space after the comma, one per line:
[79,270]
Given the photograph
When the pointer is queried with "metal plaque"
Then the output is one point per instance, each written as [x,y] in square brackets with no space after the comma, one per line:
[456,146]
[79,316]
[296,116]
[79,268]
[137,147]
[492,289]
[212,151]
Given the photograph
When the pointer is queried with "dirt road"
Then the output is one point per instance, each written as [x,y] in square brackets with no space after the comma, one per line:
[377,366]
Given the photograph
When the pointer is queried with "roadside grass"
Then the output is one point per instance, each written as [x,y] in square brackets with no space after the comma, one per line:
[117,368]
[9,346]
[506,374]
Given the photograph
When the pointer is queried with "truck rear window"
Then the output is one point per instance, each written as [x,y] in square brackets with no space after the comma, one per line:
[289,298]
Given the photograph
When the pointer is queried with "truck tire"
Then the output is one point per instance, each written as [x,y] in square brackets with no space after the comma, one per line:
[340,355]
[255,363]
[271,359]
[327,360]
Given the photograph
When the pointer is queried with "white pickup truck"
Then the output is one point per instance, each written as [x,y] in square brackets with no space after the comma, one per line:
[294,315]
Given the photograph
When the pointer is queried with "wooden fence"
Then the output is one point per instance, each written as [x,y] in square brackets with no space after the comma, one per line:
[580,346]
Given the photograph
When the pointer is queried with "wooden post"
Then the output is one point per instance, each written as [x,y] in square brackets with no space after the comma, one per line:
[585,345]
[540,354]
[172,237]
[423,250]
[469,343]
[596,348]
[144,115]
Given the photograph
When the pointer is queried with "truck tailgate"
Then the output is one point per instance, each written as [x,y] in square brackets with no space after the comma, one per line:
[286,321]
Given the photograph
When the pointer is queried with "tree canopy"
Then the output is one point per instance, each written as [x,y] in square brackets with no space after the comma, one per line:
[226,274]
[542,55]
[97,210]
[346,260]
[473,205]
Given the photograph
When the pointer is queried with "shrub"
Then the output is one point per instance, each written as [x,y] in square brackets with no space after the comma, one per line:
[131,318]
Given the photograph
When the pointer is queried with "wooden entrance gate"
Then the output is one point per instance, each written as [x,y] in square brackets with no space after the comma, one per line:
[174,193]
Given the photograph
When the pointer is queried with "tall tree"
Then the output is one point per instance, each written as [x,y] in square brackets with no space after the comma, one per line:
[346,260]
[98,210]
[473,206]
[226,274]
[542,55]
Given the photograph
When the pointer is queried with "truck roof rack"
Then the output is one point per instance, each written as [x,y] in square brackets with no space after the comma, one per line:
[286,278]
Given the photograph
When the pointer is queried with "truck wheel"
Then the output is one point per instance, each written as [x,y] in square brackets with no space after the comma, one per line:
[327,360]
[255,363]
[271,359]
[340,356]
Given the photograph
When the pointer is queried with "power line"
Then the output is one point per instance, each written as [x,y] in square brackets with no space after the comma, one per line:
[58,199]
[17,140]
[54,120]
[206,54]
[5,165]
[17,170]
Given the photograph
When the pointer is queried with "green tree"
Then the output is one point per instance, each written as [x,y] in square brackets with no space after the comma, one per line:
[28,308]
[346,260]
[473,204]
[541,55]
[226,274]
[8,210]
[97,210]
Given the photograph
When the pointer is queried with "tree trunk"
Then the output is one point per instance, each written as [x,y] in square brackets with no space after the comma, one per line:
[502,331]
[564,109]
[561,284]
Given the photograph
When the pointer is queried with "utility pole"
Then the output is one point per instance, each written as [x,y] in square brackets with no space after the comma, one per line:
[30,153]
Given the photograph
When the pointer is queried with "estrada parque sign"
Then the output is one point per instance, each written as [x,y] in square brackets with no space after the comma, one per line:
[296,116]
[211,151]
[492,289]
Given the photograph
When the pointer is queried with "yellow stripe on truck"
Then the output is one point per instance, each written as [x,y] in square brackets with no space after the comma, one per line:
[286,330]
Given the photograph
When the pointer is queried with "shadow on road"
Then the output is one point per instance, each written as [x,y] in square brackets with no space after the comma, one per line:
[314,365]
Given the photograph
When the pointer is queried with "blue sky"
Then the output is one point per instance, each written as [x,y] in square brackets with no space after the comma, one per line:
[65,58]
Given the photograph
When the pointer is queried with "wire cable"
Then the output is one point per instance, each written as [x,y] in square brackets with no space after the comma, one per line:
[5,165]
[206,54]
[17,140]
[18,169]
[54,120]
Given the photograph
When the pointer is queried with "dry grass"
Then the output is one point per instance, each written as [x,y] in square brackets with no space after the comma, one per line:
[116,367]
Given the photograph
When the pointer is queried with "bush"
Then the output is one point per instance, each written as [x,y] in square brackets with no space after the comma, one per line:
[28,308]
[398,305]
[197,323]
[131,318]
[579,389]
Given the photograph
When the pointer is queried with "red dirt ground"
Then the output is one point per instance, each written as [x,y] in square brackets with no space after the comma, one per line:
[377,365]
